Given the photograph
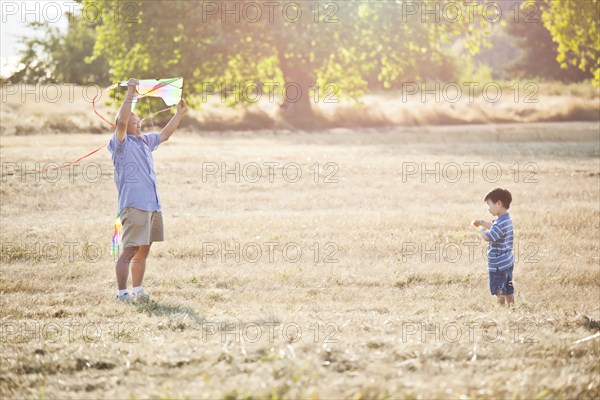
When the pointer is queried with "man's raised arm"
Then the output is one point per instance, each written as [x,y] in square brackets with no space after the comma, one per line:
[168,130]
[125,110]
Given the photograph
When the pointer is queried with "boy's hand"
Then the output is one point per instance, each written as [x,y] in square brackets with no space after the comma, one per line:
[484,235]
[182,107]
[477,223]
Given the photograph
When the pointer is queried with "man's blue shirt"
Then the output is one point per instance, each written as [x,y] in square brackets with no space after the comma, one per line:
[134,171]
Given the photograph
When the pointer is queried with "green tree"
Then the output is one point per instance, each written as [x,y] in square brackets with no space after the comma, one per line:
[574,27]
[539,53]
[343,47]
[36,63]
[55,56]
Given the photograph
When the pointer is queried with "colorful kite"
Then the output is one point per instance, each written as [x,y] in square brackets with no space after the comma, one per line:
[170,90]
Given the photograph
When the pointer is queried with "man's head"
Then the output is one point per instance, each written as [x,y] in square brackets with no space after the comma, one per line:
[134,124]
[498,201]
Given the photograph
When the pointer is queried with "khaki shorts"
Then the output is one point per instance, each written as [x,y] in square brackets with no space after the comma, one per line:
[140,228]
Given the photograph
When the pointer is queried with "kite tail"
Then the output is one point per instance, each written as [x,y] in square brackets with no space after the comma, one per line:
[117,236]
[97,113]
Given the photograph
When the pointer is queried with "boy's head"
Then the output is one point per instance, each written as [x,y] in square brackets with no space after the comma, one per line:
[498,201]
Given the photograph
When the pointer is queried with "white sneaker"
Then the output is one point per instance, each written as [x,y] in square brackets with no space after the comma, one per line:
[126,298]
[142,297]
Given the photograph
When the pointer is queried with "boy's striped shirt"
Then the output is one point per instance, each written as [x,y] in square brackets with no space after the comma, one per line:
[500,247]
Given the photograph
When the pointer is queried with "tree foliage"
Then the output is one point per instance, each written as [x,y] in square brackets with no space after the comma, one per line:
[574,27]
[539,52]
[55,56]
[349,46]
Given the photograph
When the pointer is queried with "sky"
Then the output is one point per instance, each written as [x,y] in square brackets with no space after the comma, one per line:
[14,17]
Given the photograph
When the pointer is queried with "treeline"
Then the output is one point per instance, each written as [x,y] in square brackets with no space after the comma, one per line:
[360,46]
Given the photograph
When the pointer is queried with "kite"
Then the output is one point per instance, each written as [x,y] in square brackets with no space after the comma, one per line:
[170,90]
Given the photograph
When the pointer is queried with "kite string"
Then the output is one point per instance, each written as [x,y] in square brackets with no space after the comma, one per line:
[90,153]
[97,113]
[76,161]
[158,112]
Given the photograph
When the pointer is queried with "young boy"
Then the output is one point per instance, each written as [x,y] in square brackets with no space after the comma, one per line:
[139,205]
[500,247]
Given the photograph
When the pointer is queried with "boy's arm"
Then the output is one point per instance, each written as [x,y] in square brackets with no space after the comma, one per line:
[484,234]
[495,233]
[483,223]
[168,130]
[125,110]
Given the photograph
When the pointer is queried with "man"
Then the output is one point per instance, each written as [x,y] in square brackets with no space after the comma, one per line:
[139,204]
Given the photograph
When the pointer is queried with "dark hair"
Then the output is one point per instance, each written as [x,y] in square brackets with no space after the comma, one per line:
[501,195]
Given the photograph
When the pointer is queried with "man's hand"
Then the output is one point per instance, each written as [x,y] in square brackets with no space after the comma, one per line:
[125,111]
[168,130]
[132,83]
[182,107]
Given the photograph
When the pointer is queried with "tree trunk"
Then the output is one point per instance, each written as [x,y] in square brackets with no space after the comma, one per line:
[297,108]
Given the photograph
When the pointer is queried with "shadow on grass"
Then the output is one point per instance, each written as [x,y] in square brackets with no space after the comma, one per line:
[153,308]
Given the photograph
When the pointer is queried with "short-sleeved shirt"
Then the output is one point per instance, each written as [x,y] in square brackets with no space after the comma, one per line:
[134,171]
[500,247]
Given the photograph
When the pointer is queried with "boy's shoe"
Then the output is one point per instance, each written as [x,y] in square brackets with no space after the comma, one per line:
[125,298]
[142,297]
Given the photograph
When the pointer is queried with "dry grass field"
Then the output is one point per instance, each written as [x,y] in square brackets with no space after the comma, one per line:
[359,279]
[67,108]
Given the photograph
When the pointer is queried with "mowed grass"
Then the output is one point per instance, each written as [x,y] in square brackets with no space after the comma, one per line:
[388,299]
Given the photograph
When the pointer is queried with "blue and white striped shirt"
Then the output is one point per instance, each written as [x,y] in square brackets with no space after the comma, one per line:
[500,247]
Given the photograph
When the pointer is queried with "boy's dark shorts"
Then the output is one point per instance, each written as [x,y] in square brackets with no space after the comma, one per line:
[501,282]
